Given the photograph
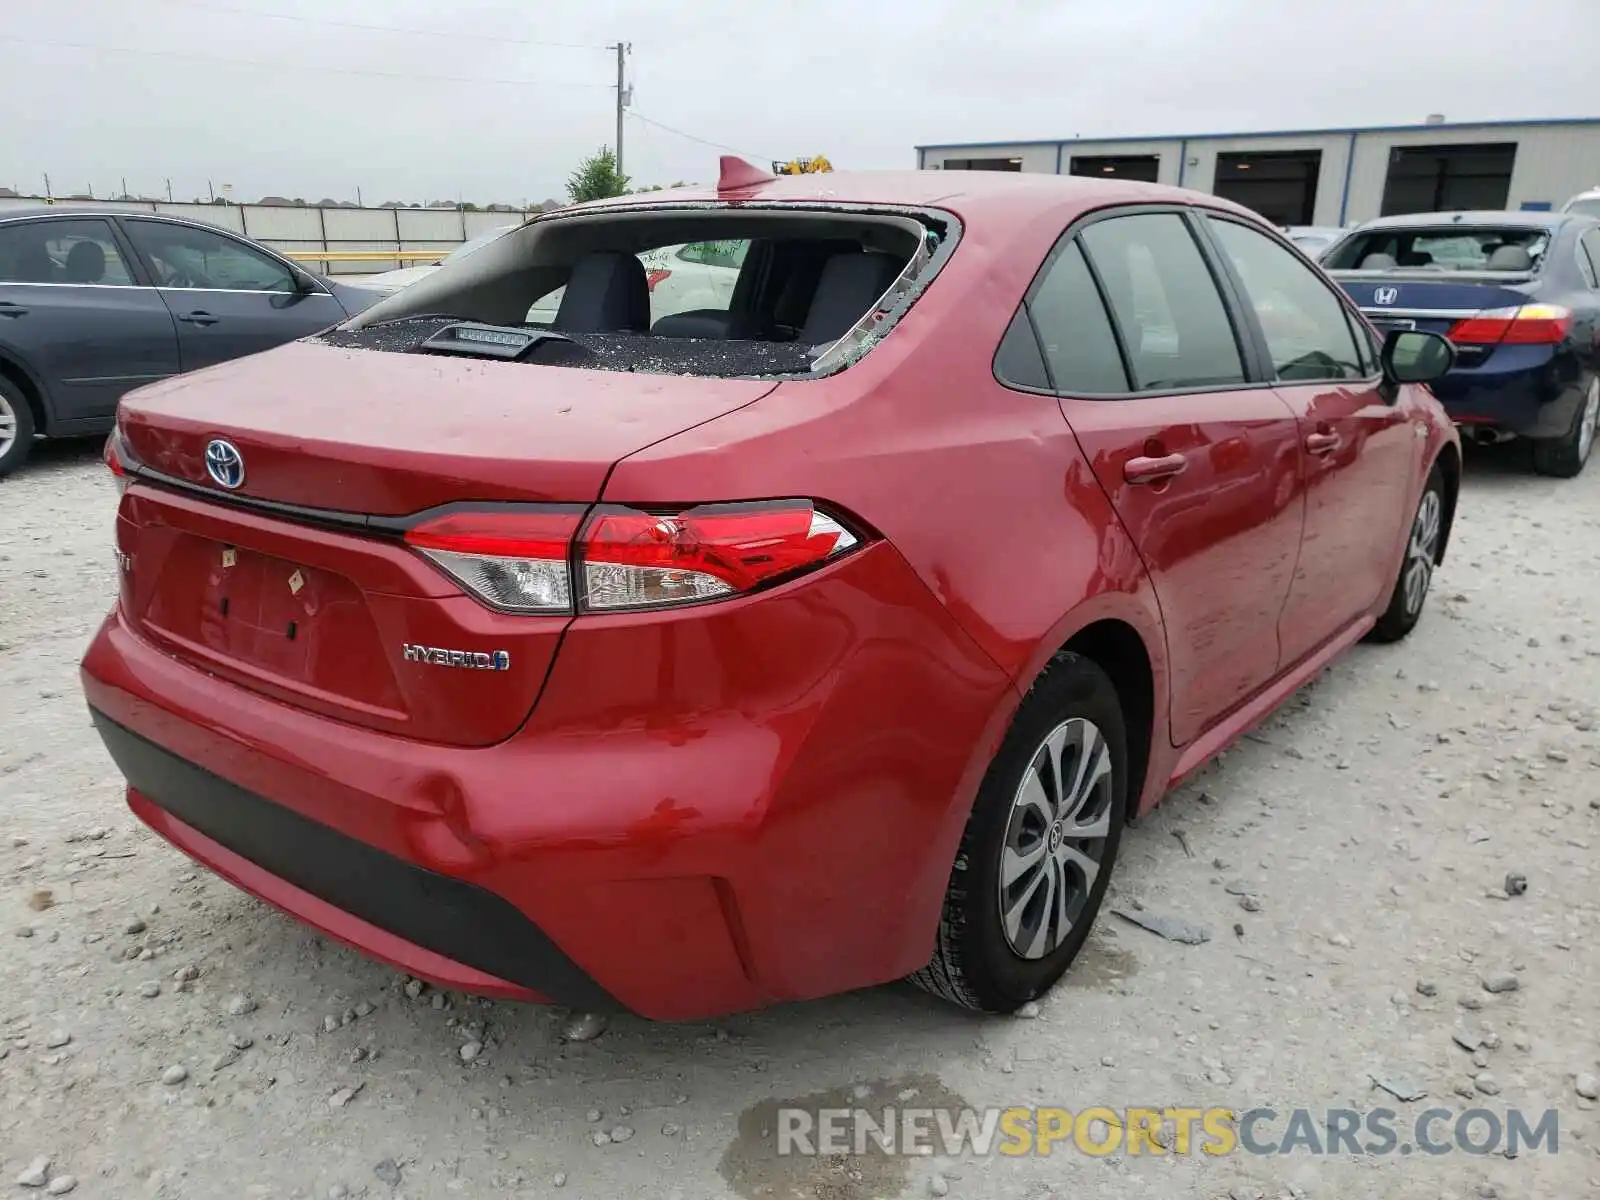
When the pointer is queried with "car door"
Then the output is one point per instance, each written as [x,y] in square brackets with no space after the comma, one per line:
[1197,460]
[229,298]
[74,314]
[1361,442]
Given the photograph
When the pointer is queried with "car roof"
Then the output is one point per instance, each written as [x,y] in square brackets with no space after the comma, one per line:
[1502,220]
[101,210]
[1006,195]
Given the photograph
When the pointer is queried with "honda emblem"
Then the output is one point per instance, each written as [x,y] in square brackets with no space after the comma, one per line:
[1385,295]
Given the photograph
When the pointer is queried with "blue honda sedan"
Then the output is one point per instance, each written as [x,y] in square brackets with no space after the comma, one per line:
[1519,295]
[94,303]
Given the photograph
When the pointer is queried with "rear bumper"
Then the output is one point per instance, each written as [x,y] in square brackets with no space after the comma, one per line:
[708,811]
[1523,390]
[424,922]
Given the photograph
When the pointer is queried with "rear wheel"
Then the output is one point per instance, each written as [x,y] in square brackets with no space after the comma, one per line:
[1565,456]
[16,427]
[1416,568]
[1039,846]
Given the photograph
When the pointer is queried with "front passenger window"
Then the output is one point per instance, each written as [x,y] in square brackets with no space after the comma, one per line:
[1306,326]
[184,257]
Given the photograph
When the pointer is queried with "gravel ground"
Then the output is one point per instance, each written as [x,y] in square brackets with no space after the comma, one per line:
[162,1035]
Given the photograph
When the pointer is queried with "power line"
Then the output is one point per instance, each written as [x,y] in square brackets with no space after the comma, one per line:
[637,116]
[409,76]
[432,33]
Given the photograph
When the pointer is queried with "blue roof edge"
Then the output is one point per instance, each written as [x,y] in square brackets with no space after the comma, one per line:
[1262,133]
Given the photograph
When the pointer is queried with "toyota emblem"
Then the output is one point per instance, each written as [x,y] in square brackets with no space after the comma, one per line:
[224,464]
[1386,295]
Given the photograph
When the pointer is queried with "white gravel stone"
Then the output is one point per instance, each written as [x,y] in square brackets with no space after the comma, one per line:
[36,1174]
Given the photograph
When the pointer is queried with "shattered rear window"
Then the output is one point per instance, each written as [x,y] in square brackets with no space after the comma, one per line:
[720,290]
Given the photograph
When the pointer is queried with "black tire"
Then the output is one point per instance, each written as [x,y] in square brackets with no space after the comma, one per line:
[1421,556]
[1565,456]
[16,420]
[974,962]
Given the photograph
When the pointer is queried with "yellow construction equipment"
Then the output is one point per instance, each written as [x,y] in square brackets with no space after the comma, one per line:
[802,166]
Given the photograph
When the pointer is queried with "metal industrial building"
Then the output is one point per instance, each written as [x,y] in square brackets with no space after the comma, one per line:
[1329,176]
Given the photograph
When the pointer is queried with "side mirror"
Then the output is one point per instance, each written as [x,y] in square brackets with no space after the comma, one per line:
[1416,356]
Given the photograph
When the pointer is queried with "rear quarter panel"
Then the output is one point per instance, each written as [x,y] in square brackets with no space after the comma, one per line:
[983,490]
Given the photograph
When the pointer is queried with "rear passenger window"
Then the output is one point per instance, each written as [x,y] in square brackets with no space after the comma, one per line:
[1165,302]
[78,250]
[1018,361]
[1305,324]
[1079,345]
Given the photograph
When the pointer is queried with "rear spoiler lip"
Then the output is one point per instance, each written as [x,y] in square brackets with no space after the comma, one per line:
[1407,275]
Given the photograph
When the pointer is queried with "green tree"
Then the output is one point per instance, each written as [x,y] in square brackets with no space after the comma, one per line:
[596,178]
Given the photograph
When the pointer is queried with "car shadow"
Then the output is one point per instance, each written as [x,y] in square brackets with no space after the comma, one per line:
[57,455]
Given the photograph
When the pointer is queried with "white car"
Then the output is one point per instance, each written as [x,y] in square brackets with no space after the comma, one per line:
[389,282]
[1587,203]
[681,278]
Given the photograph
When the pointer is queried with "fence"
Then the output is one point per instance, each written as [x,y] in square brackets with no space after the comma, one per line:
[380,238]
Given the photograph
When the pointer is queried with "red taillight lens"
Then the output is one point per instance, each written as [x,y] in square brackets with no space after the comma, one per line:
[656,275]
[1526,325]
[112,456]
[519,560]
[635,559]
[514,560]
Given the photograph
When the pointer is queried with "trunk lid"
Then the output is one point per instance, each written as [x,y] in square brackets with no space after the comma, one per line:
[1400,299]
[1424,300]
[332,616]
[383,434]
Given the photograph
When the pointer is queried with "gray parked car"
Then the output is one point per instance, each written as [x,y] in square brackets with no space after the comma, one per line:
[94,303]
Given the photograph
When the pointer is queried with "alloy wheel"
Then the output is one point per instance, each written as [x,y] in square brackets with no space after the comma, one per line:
[1056,838]
[8,425]
[1589,420]
[1422,551]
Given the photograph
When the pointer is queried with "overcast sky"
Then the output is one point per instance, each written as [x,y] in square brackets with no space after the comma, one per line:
[471,108]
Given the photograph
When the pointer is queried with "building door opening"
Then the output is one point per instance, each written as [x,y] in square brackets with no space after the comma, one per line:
[1281,185]
[983,164]
[1448,178]
[1141,168]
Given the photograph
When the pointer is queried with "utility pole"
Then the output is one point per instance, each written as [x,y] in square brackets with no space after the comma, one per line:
[47,194]
[624,93]
[169,191]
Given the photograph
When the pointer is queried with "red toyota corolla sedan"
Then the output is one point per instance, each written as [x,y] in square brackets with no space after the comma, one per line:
[689,661]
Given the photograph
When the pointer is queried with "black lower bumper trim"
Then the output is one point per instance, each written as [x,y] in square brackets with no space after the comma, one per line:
[459,920]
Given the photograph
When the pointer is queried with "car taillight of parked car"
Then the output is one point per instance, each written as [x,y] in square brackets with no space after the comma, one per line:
[553,561]
[1525,325]
[656,275]
[112,456]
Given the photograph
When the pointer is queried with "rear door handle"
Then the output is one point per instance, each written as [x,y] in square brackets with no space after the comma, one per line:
[199,317]
[1323,443]
[1144,469]
[9,309]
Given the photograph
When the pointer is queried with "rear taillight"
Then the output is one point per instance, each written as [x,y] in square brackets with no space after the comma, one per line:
[656,275]
[633,559]
[1527,325]
[537,561]
[514,560]
[112,456]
